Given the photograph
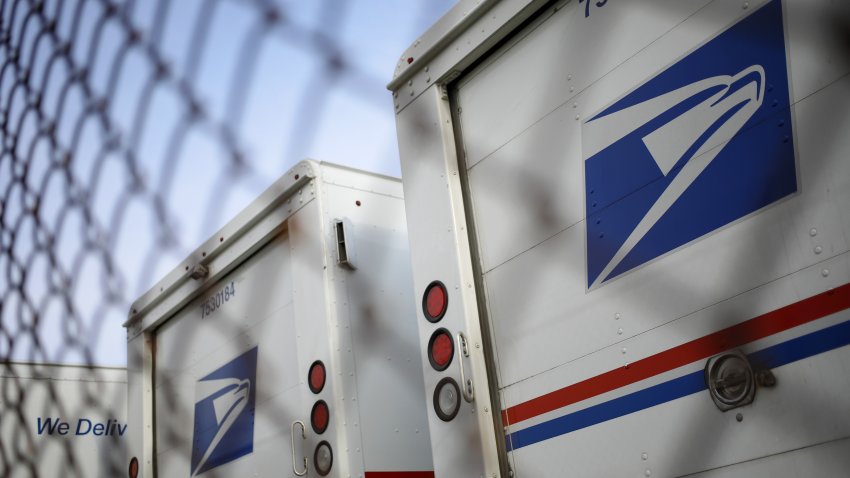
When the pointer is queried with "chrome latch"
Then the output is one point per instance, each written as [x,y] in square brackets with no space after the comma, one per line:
[731,380]
[199,271]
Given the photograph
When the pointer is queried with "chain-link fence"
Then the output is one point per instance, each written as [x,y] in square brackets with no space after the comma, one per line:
[131,130]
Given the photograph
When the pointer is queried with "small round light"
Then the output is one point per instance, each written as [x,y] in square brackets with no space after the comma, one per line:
[323,458]
[435,301]
[133,469]
[441,349]
[320,416]
[447,399]
[316,376]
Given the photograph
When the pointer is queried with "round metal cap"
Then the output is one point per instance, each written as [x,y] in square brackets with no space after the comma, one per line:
[447,399]
[323,458]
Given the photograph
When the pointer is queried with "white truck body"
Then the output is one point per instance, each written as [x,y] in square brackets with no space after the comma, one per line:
[640,213]
[221,352]
[62,420]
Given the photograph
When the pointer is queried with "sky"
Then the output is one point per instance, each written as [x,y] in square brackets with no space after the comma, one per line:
[280,95]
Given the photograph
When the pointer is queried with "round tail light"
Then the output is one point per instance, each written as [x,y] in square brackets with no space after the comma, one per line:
[320,416]
[323,458]
[447,399]
[133,469]
[435,301]
[441,349]
[316,377]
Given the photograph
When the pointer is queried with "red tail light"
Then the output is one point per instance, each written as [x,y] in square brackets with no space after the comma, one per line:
[320,416]
[316,377]
[133,469]
[435,301]
[441,349]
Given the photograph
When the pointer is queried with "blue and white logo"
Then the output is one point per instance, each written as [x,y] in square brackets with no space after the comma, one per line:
[224,413]
[703,143]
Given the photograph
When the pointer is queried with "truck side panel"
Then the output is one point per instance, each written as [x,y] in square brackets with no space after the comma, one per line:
[63,420]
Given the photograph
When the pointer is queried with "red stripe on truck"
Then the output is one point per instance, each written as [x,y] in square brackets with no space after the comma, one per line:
[399,474]
[798,313]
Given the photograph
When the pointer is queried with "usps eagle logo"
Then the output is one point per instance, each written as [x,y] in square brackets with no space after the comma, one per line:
[702,144]
[224,413]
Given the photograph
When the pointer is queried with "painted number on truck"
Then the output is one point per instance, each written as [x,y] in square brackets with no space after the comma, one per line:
[598,3]
[217,300]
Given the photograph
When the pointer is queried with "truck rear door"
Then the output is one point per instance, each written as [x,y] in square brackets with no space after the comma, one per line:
[226,374]
[649,185]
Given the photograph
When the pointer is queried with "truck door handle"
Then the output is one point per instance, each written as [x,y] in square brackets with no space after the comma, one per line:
[292,442]
[466,384]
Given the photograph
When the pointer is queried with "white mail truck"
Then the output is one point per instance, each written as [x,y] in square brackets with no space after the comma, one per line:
[62,420]
[629,223]
[285,345]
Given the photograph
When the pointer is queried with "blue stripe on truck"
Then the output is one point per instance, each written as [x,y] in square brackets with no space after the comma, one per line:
[775,356]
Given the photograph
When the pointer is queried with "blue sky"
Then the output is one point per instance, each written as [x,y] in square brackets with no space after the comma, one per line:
[294,104]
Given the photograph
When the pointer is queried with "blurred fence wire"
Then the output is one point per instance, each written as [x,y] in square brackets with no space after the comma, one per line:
[118,120]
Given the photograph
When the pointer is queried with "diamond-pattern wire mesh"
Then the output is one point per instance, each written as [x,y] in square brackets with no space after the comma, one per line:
[98,117]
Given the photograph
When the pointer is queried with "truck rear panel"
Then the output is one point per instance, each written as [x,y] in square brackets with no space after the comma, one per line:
[284,345]
[644,186]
